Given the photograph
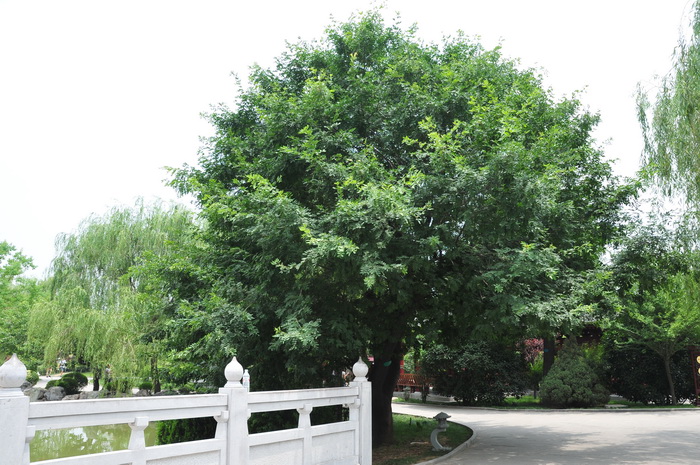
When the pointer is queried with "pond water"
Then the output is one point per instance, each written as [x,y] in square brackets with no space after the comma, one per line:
[54,444]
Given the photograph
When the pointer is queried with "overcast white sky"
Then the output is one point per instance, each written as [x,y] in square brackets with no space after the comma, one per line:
[97,96]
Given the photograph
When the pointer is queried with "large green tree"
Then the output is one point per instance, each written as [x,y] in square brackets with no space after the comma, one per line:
[671,121]
[17,293]
[98,309]
[370,188]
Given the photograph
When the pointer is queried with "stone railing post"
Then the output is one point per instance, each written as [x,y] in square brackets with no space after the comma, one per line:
[137,440]
[236,430]
[14,411]
[363,411]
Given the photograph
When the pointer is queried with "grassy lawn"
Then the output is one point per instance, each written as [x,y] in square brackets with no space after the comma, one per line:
[412,441]
[522,402]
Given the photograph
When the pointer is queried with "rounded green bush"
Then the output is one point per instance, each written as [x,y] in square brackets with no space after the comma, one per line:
[572,381]
[146,385]
[32,377]
[72,382]
[80,378]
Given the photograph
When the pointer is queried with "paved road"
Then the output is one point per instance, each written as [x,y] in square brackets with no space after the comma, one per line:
[509,437]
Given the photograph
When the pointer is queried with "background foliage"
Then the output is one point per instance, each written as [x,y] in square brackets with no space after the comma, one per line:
[477,373]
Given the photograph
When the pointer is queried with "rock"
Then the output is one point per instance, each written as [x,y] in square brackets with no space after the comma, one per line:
[89,395]
[167,393]
[55,393]
[142,393]
[35,394]
[26,386]
[72,397]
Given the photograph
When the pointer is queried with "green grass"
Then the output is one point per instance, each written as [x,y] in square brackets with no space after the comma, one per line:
[418,401]
[412,441]
[523,402]
[511,402]
[530,402]
[629,404]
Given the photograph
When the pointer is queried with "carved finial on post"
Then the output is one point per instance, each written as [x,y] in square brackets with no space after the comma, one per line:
[12,374]
[360,370]
[233,373]
[246,380]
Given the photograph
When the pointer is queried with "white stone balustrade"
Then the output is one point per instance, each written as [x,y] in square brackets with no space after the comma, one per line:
[346,442]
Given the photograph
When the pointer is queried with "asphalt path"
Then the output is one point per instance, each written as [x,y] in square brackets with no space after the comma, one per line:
[572,437]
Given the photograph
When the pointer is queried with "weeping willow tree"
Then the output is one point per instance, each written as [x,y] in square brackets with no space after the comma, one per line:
[97,309]
[671,123]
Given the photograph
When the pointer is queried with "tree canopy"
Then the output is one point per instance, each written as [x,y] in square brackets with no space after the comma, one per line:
[16,297]
[671,122]
[96,310]
[370,188]
[656,279]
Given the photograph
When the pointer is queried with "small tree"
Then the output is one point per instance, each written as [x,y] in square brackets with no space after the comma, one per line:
[573,381]
[633,370]
[656,278]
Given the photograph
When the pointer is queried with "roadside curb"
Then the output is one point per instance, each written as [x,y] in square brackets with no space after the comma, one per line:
[581,410]
[563,410]
[466,444]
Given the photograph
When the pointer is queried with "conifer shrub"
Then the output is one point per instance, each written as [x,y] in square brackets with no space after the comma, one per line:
[71,382]
[573,381]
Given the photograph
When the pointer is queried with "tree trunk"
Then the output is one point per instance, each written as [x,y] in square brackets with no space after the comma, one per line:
[384,375]
[96,379]
[155,374]
[669,378]
[548,356]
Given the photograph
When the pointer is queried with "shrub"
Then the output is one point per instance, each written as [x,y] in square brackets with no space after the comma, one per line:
[637,373]
[119,385]
[71,382]
[80,378]
[532,350]
[146,385]
[573,381]
[32,377]
[186,429]
[478,373]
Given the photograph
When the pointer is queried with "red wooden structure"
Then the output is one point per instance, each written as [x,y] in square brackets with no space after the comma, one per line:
[695,363]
